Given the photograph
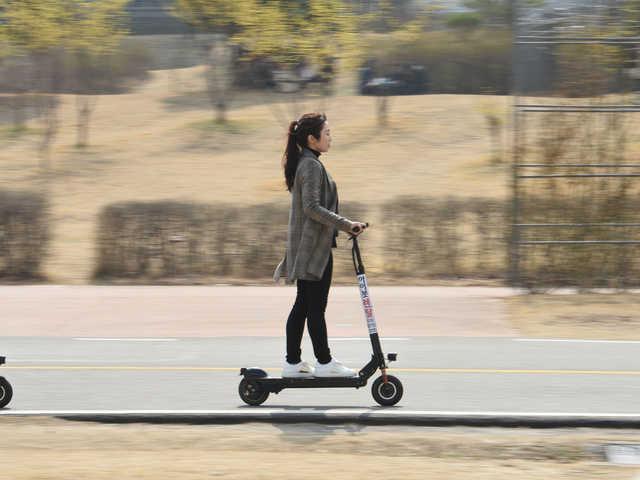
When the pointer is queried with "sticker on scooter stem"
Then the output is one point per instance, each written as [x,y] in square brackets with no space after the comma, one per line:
[366,303]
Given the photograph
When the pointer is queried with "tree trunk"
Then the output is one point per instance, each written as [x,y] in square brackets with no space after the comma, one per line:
[50,115]
[494,133]
[219,78]
[85,105]
[50,86]
[221,110]
[382,104]
[18,111]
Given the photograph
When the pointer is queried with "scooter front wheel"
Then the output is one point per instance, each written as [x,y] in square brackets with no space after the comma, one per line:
[251,393]
[389,393]
[6,392]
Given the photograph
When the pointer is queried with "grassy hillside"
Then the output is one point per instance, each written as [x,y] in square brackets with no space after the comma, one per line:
[159,143]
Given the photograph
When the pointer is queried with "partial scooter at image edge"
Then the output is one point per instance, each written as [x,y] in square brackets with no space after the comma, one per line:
[6,392]
[256,385]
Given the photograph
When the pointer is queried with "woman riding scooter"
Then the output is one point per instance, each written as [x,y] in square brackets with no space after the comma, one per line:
[314,223]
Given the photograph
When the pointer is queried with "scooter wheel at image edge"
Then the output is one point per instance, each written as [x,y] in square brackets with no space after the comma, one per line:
[6,392]
[387,394]
[251,393]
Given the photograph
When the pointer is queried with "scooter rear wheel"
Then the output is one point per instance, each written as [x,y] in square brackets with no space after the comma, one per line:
[251,393]
[387,394]
[6,392]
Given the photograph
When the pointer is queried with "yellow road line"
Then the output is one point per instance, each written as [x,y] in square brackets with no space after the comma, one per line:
[152,368]
[149,368]
[518,371]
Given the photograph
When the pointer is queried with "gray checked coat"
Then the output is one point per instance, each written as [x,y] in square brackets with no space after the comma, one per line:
[312,222]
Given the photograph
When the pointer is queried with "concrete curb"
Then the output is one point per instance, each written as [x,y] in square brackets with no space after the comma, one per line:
[387,416]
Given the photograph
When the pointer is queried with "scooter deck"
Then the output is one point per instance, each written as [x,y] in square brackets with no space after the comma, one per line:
[275,384]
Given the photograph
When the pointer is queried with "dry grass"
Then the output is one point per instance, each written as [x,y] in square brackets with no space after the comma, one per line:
[59,450]
[595,316]
[158,143]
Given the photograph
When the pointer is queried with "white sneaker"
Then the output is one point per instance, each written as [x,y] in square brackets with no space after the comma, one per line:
[299,370]
[333,369]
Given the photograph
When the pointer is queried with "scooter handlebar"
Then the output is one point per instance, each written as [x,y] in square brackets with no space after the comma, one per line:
[357,229]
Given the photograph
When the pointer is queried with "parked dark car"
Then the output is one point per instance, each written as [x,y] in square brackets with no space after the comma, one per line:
[406,79]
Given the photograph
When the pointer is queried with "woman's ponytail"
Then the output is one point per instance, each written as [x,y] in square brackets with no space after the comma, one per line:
[291,155]
[299,131]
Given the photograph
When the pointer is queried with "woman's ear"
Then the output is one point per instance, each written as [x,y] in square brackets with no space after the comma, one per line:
[311,141]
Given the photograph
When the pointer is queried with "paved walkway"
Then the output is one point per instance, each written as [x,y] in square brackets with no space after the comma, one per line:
[210,311]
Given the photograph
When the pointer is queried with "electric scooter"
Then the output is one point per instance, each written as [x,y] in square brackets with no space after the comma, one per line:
[256,384]
[6,392]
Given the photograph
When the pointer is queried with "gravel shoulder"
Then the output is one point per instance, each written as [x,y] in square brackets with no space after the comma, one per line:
[611,316]
[57,449]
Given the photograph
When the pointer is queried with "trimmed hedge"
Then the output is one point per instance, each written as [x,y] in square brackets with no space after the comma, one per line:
[422,238]
[140,240]
[413,238]
[445,238]
[24,235]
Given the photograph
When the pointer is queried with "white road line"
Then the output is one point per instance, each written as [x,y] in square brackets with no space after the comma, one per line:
[331,412]
[97,339]
[16,359]
[575,340]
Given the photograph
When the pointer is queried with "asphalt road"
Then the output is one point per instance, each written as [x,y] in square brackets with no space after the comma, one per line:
[439,374]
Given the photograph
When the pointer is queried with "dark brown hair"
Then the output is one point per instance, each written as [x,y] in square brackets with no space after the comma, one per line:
[299,131]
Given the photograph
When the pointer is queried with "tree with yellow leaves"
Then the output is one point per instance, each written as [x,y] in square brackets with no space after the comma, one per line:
[43,33]
[289,32]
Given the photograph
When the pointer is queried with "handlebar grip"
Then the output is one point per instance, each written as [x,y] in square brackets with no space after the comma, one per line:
[357,229]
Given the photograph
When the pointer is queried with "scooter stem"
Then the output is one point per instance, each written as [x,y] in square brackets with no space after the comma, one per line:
[378,360]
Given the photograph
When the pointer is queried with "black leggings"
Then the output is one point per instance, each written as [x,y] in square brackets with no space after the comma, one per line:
[310,304]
